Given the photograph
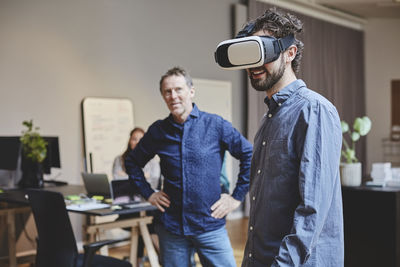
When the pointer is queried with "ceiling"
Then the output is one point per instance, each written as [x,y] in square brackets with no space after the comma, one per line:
[365,8]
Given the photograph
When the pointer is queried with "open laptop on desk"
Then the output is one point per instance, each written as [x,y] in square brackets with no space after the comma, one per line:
[96,184]
[124,193]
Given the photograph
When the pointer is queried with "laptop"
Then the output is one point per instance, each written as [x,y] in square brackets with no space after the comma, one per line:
[124,192]
[96,184]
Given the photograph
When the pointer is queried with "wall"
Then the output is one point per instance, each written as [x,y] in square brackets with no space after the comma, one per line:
[55,53]
[382,39]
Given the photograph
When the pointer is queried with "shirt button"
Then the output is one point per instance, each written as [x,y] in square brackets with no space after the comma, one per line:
[263,143]
[269,115]
[254,198]
[259,171]
[249,255]
[279,104]
[251,228]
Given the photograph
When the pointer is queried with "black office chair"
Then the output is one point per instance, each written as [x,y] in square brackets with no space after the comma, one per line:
[56,242]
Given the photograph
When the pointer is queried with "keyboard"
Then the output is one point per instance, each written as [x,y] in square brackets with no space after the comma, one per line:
[135,205]
[87,206]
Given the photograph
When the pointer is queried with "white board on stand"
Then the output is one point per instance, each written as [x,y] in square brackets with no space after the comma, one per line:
[107,123]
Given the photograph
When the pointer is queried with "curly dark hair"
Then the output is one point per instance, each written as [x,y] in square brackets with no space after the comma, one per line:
[280,25]
[177,71]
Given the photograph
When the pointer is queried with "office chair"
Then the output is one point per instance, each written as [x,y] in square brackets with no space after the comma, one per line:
[56,242]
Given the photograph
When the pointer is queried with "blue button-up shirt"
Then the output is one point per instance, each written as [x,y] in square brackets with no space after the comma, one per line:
[191,156]
[296,204]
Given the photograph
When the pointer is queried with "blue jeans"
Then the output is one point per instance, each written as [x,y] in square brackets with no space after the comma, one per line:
[213,248]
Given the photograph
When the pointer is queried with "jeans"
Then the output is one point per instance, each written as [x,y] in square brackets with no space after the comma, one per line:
[213,248]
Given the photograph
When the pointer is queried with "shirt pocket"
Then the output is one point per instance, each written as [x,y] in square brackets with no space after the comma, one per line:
[278,157]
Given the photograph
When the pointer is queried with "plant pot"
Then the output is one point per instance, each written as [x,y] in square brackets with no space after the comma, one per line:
[32,174]
[350,174]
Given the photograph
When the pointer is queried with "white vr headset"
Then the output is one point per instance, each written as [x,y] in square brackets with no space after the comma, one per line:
[246,52]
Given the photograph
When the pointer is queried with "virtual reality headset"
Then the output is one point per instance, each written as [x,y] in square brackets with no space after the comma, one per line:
[250,51]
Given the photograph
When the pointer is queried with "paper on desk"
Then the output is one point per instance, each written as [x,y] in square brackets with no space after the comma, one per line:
[87,206]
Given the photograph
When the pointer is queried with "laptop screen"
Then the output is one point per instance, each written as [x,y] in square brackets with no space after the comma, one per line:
[96,184]
[124,191]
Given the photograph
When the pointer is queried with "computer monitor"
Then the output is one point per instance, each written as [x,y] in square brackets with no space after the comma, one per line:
[123,191]
[52,159]
[10,151]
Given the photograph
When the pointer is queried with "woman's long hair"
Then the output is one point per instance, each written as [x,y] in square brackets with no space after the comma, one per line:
[128,148]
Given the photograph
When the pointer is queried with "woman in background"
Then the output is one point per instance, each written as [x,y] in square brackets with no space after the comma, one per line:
[152,170]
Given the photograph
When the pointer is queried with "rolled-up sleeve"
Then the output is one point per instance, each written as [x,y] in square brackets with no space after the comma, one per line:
[319,147]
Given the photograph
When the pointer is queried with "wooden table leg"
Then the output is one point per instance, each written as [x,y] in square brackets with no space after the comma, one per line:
[100,236]
[12,251]
[91,236]
[149,244]
[136,224]
[134,245]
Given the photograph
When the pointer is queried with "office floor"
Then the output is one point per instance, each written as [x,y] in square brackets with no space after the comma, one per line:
[237,230]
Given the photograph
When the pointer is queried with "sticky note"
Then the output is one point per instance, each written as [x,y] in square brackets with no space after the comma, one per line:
[73,197]
[99,198]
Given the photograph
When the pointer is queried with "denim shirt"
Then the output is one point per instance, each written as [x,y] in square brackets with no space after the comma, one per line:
[191,156]
[296,204]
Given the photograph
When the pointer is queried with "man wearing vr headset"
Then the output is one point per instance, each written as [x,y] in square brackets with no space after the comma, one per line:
[191,145]
[296,206]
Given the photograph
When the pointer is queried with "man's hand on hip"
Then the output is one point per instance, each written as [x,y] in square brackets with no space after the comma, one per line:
[223,206]
[160,200]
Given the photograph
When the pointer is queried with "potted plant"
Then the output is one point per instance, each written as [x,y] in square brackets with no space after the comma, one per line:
[350,170]
[33,154]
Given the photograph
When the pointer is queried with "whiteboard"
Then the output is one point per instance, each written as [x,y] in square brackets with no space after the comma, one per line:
[107,123]
[214,96]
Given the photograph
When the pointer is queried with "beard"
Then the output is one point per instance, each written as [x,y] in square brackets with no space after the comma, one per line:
[272,78]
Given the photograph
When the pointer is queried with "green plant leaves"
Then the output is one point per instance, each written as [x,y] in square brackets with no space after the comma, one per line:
[28,124]
[362,125]
[355,136]
[345,126]
[33,145]
[350,155]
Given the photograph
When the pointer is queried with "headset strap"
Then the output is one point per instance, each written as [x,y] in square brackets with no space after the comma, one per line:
[280,44]
[283,43]
[246,31]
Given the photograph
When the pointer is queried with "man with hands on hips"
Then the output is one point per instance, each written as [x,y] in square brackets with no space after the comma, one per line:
[191,145]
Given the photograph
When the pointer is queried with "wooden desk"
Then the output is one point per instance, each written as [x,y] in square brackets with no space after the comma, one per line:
[371,226]
[9,213]
[138,225]
[18,203]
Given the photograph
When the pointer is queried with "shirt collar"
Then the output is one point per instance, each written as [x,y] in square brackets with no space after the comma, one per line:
[284,94]
[193,114]
[195,111]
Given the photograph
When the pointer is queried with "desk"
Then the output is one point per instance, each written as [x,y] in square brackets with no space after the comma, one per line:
[10,212]
[18,203]
[371,226]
